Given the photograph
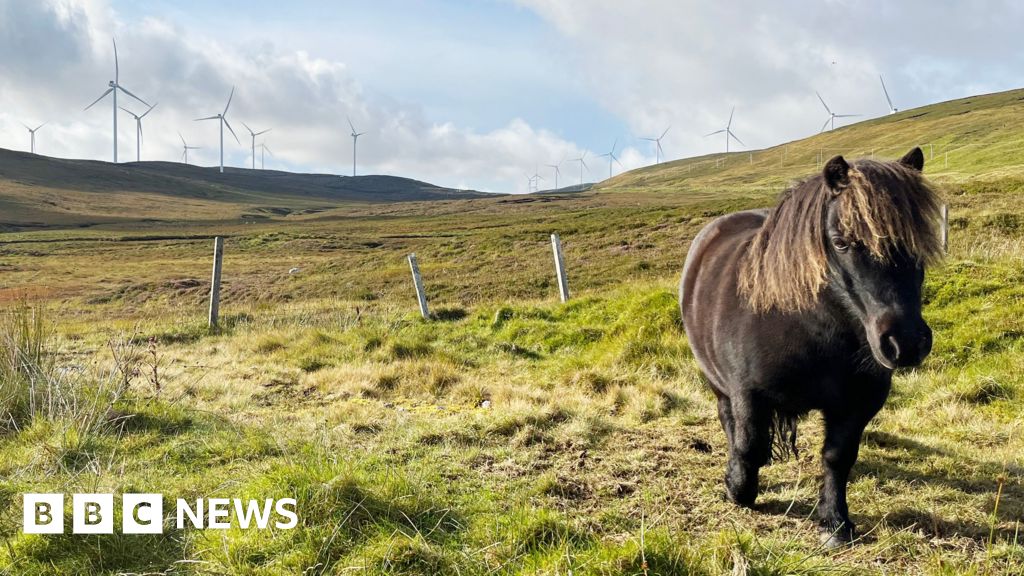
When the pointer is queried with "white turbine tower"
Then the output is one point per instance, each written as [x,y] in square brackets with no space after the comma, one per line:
[114,87]
[254,135]
[659,152]
[185,148]
[832,116]
[612,158]
[892,109]
[355,141]
[557,170]
[583,164]
[32,135]
[223,122]
[138,130]
[728,132]
[264,150]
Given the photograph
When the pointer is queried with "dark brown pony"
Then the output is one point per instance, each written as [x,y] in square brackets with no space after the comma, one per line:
[812,305]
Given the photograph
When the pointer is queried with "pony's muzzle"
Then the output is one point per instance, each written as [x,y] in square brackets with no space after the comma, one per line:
[896,348]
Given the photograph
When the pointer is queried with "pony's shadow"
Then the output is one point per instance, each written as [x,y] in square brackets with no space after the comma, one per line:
[889,467]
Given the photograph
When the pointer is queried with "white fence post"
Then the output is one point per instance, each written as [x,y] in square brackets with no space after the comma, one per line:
[218,260]
[417,281]
[563,284]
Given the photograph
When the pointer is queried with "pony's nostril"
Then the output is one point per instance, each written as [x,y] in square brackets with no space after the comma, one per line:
[895,345]
[890,348]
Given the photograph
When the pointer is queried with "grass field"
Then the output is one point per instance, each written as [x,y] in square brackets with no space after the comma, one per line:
[511,434]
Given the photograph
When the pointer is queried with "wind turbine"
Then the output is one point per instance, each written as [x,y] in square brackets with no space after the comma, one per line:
[223,122]
[658,151]
[114,86]
[138,130]
[264,150]
[529,184]
[355,141]
[892,109]
[254,135]
[32,135]
[612,159]
[832,115]
[728,132]
[536,179]
[583,164]
[186,148]
[557,170]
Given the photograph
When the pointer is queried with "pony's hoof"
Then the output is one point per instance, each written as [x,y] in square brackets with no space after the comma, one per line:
[742,498]
[833,537]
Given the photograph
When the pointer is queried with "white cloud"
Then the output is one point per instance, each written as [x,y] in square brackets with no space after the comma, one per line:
[685,64]
[648,65]
[63,58]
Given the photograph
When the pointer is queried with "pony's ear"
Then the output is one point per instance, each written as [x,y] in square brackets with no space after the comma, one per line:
[914,159]
[837,173]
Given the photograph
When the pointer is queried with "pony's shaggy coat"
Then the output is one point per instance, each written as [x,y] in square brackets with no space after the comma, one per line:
[887,207]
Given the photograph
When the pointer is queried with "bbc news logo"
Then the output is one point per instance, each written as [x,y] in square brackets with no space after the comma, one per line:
[144,513]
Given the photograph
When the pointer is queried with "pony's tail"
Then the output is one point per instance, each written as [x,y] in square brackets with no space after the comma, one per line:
[783,436]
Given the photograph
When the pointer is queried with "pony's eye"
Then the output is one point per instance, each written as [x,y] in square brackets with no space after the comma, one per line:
[840,244]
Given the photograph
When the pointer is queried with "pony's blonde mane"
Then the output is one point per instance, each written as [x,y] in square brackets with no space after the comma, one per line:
[886,206]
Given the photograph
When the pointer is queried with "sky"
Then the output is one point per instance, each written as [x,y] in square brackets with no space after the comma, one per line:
[482,93]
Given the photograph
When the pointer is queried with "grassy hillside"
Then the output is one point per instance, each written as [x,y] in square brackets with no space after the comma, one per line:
[510,434]
[974,139]
[38,191]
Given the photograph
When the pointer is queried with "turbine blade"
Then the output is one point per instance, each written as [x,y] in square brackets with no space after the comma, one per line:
[230,96]
[264,132]
[207,118]
[102,96]
[715,132]
[650,139]
[825,125]
[350,125]
[123,89]
[822,102]
[736,138]
[117,70]
[887,99]
[665,132]
[225,120]
[268,150]
[148,111]
[847,115]
[27,127]
[183,143]
[127,110]
[249,129]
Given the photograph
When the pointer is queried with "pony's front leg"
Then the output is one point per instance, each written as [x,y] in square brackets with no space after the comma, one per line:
[750,448]
[725,417]
[842,441]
